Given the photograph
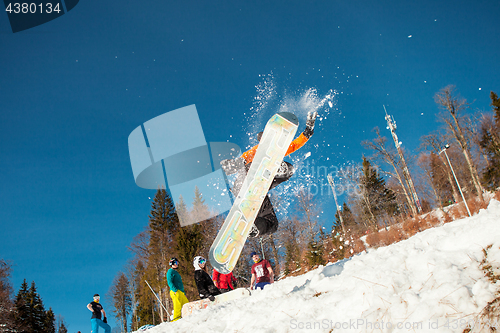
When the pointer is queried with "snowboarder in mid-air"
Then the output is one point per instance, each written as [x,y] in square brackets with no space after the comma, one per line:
[266,221]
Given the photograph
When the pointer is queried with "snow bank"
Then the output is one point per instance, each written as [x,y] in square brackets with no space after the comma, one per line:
[431,282]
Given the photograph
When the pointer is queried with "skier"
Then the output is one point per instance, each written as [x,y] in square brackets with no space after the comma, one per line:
[176,286]
[266,221]
[98,313]
[225,282]
[262,272]
[206,287]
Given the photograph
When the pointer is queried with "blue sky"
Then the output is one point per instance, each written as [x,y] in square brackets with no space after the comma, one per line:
[73,89]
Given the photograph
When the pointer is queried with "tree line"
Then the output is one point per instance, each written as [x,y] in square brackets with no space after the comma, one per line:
[25,312]
[395,188]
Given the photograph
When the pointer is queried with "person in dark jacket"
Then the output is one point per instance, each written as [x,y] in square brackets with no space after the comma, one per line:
[98,313]
[204,283]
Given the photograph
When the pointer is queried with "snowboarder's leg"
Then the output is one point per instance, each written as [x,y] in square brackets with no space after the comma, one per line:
[266,221]
[285,172]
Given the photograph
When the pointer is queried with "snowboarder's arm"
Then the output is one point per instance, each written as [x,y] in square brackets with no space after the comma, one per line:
[252,281]
[90,307]
[304,136]
[103,313]
[297,144]
[250,154]
[294,146]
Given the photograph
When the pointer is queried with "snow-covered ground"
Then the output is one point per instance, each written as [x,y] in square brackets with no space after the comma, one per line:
[431,282]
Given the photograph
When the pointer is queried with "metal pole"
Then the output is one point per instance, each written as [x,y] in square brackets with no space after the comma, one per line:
[459,188]
[168,316]
[262,249]
[332,184]
[391,125]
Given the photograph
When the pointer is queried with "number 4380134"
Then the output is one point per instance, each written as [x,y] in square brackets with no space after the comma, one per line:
[32,8]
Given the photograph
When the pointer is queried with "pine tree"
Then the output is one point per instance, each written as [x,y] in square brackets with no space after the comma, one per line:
[315,249]
[490,143]
[189,241]
[338,238]
[146,310]
[49,323]
[62,328]
[31,315]
[377,199]
[164,228]
[37,310]
[22,308]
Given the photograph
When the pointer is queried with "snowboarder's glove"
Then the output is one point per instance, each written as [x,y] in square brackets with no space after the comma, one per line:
[105,320]
[211,297]
[311,118]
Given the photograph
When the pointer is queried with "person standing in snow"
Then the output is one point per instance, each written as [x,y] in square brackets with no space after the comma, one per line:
[225,282]
[97,313]
[262,272]
[174,281]
[204,283]
[266,221]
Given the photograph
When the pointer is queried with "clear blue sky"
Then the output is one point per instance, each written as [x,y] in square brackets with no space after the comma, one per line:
[73,89]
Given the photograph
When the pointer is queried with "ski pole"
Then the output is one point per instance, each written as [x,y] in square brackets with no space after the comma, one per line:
[156,296]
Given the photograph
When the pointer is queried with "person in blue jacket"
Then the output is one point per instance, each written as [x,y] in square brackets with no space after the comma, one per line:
[176,286]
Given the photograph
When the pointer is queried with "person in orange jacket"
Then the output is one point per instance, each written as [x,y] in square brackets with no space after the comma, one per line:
[266,221]
[225,282]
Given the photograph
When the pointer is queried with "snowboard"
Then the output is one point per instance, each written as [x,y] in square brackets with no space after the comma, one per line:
[190,307]
[227,246]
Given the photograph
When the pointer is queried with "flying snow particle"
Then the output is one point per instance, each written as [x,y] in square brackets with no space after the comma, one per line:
[479,88]
[330,103]
[307,155]
[422,114]
[410,36]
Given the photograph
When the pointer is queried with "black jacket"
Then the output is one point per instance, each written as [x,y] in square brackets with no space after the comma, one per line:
[205,284]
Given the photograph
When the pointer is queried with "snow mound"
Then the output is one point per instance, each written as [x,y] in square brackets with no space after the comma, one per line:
[431,282]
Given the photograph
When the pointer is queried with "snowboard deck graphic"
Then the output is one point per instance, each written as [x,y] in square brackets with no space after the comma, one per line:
[190,307]
[227,246]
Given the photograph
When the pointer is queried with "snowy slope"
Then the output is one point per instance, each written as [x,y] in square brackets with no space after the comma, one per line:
[429,283]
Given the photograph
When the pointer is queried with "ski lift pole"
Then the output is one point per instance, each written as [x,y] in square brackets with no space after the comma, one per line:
[332,184]
[157,297]
[262,249]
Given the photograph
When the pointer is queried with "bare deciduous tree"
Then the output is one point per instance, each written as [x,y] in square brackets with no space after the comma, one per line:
[454,105]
